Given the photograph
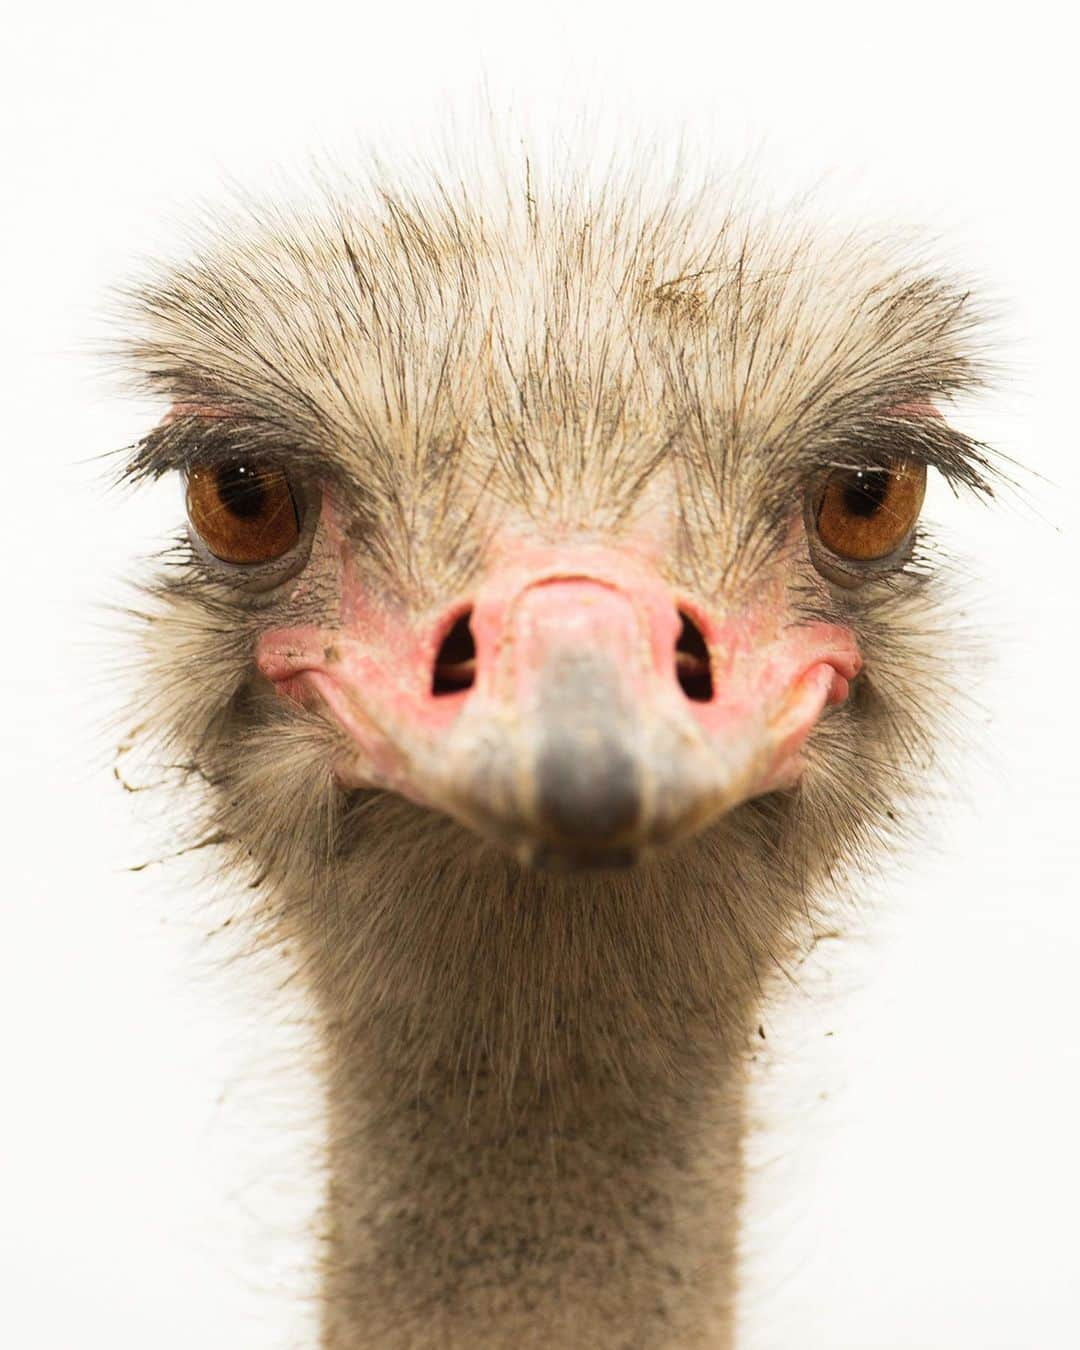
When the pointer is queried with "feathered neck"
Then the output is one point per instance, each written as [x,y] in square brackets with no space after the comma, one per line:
[534,1088]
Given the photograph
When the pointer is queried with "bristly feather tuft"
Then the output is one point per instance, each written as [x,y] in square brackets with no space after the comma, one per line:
[549,348]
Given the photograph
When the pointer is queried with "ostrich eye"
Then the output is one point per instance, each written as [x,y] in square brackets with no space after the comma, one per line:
[864,515]
[244,513]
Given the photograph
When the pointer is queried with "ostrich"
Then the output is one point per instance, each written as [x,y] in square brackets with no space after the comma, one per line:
[552,632]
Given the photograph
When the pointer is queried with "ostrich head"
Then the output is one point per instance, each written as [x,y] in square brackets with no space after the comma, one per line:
[553,615]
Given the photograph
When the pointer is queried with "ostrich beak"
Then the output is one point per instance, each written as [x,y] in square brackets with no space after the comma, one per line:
[575,717]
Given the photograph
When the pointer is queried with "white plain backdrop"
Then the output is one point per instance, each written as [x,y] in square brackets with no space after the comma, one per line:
[914,1175]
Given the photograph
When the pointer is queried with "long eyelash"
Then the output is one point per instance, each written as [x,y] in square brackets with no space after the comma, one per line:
[875,442]
[179,443]
[962,460]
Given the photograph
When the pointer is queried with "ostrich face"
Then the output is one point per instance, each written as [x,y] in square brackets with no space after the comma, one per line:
[564,704]
[579,526]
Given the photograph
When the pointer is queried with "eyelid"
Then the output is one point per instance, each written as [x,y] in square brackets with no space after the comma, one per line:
[851,570]
[265,577]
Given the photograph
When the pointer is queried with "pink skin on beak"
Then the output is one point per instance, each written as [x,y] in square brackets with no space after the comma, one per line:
[576,741]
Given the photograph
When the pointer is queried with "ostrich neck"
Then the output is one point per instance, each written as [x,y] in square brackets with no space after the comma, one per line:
[458,1219]
[579,1194]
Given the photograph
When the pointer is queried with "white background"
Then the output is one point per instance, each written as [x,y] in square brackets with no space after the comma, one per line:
[915,1181]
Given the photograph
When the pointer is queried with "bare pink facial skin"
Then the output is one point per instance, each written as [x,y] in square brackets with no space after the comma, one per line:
[576,740]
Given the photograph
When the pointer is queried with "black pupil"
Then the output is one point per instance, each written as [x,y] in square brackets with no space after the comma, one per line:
[242,490]
[865,492]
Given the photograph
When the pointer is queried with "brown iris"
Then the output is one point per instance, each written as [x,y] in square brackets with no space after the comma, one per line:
[866,514]
[243,512]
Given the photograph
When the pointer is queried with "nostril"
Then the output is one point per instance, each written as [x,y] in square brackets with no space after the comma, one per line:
[455,662]
[692,667]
